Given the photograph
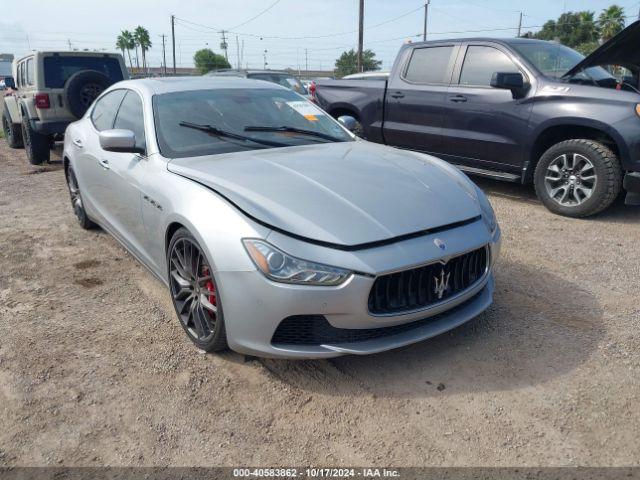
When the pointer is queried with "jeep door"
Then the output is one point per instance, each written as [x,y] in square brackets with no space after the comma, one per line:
[485,127]
[416,97]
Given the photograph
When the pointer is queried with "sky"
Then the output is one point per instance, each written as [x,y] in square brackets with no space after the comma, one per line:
[294,33]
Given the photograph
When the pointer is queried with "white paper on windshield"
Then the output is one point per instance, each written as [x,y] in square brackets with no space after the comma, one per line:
[307,110]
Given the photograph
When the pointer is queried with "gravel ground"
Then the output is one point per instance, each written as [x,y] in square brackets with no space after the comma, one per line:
[95,369]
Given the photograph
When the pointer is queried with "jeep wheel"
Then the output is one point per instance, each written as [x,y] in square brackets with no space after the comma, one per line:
[35,144]
[83,88]
[578,178]
[11,131]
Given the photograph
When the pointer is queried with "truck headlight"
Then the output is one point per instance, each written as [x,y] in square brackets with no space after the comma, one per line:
[281,267]
[488,215]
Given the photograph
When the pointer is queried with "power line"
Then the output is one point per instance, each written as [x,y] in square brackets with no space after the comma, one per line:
[256,16]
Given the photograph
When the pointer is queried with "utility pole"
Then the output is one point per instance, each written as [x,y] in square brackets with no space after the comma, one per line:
[164,56]
[223,45]
[638,14]
[238,51]
[520,26]
[306,63]
[265,59]
[360,35]
[173,41]
[69,42]
[426,18]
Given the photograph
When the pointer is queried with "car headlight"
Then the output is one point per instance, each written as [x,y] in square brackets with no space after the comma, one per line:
[488,215]
[281,267]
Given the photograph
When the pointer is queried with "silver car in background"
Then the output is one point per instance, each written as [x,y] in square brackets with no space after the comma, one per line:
[277,232]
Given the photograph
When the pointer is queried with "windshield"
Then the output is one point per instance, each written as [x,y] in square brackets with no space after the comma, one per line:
[281,79]
[554,60]
[182,118]
[58,68]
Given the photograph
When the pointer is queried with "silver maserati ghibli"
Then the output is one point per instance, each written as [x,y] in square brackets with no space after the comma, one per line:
[276,230]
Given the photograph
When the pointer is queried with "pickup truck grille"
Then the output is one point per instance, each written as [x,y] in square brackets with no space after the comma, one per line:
[425,286]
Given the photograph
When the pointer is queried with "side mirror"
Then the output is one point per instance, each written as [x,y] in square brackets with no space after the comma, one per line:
[348,122]
[509,81]
[122,141]
[9,82]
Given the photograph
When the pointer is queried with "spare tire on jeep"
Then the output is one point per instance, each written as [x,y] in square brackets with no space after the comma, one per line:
[83,88]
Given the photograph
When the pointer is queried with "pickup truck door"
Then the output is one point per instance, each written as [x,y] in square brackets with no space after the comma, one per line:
[416,97]
[485,127]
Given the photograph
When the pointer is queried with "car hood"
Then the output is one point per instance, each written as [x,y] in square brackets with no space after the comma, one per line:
[620,50]
[343,194]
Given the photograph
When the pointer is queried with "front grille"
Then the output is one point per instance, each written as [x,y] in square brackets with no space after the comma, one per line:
[425,286]
[316,330]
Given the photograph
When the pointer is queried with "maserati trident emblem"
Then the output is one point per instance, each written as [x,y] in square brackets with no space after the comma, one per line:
[442,283]
[440,244]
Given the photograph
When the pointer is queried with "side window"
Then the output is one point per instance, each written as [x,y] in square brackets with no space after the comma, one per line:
[430,65]
[104,113]
[30,73]
[21,75]
[480,63]
[131,117]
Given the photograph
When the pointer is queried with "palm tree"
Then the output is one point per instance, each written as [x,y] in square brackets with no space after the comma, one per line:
[121,44]
[129,42]
[143,39]
[611,22]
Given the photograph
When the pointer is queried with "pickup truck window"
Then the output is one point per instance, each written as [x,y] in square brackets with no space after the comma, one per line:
[481,62]
[430,65]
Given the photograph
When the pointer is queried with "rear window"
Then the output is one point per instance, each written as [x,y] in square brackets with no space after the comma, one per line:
[288,81]
[58,69]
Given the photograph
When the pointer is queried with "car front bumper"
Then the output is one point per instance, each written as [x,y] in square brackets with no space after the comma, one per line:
[254,307]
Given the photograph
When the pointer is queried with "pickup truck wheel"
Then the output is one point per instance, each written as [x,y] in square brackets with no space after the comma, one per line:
[76,201]
[11,131]
[578,178]
[35,144]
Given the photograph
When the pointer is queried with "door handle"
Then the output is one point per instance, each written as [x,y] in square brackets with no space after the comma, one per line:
[104,163]
[78,143]
[458,99]
[397,95]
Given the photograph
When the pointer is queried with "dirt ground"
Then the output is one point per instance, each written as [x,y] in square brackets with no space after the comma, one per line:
[95,369]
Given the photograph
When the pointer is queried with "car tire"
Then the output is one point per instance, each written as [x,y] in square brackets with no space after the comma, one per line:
[578,178]
[35,144]
[82,88]
[194,293]
[76,201]
[12,132]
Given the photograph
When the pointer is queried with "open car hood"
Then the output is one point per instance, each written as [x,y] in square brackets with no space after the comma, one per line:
[623,49]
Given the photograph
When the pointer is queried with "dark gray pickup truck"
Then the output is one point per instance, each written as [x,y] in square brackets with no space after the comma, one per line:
[515,109]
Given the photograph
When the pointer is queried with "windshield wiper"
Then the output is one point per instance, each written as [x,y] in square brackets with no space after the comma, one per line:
[213,130]
[285,128]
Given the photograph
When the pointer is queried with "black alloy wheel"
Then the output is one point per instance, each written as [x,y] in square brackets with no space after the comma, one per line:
[195,293]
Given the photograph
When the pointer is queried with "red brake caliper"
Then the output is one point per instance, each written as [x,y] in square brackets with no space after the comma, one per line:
[210,287]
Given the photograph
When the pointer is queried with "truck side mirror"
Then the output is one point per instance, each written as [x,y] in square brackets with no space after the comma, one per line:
[509,81]
[9,83]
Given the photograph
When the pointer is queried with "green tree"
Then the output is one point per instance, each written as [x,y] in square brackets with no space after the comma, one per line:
[143,40]
[571,29]
[348,62]
[611,22]
[206,60]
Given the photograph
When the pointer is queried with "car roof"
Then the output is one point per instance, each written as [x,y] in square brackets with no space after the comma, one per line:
[160,85]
